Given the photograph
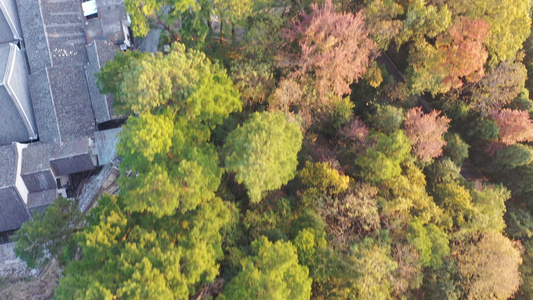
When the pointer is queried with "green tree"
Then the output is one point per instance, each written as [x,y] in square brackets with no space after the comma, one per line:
[254,80]
[270,218]
[111,76]
[518,180]
[443,282]
[430,241]
[313,252]
[263,152]
[231,11]
[406,197]
[183,79]
[511,157]
[387,118]
[456,148]
[341,112]
[423,20]
[164,12]
[520,223]
[490,205]
[381,16]
[144,137]
[373,261]
[382,162]
[178,100]
[162,189]
[50,234]
[134,256]
[456,202]
[272,273]
[321,178]
[483,129]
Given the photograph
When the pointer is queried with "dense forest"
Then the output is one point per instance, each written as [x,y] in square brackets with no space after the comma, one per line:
[298,149]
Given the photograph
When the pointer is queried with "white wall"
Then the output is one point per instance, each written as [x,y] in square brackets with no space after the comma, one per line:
[19,183]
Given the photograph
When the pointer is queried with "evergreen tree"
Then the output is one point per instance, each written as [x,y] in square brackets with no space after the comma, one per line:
[263,152]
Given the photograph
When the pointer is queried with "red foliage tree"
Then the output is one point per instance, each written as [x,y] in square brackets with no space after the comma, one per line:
[354,133]
[515,126]
[334,48]
[462,51]
[426,132]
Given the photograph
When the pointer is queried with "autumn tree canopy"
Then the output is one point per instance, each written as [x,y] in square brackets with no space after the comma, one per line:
[499,87]
[515,126]
[457,57]
[497,277]
[509,24]
[333,48]
[426,132]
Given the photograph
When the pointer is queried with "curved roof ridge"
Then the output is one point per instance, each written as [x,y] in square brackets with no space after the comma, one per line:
[10,25]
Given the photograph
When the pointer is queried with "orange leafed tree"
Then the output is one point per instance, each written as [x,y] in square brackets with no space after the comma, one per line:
[462,51]
[515,126]
[456,57]
[426,132]
[334,48]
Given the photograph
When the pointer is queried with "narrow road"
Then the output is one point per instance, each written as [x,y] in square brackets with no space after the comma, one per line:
[468,170]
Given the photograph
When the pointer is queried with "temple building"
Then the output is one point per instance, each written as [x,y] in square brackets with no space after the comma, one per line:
[51,108]
[17,121]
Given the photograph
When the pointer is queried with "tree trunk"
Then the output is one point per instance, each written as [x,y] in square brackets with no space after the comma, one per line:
[233,34]
[221,27]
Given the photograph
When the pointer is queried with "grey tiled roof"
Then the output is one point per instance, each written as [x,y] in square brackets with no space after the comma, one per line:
[79,146]
[9,21]
[34,35]
[38,181]
[99,103]
[71,157]
[11,126]
[12,210]
[65,100]
[8,161]
[16,116]
[4,56]
[63,23]
[106,51]
[72,102]
[72,164]
[43,106]
[55,42]
[99,52]
[36,158]
[36,171]
[42,199]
